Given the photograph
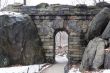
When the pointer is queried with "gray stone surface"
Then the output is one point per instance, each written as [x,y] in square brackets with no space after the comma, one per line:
[106,33]
[98,24]
[72,24]
[107,59]
[4,61]
[42,5]
[94,54]
[19,39]
[58,22]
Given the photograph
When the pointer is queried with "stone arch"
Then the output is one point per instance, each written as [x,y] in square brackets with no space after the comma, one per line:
[48,29]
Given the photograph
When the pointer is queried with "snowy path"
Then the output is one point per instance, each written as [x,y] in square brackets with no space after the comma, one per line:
[55,68]
[61,62]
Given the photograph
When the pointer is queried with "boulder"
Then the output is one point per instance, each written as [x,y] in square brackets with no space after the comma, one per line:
[19,39]
[106,33]
[103,4]
[98,24]
[93,56]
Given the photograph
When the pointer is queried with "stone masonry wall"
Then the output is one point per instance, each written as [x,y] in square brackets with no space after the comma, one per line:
[47,28]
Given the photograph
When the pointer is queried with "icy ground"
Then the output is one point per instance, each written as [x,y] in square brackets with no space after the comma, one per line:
[24,69]
[58,67]
[61,59]
[75,69]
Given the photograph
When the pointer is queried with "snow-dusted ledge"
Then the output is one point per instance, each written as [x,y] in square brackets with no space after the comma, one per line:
[9,13]
[24,69]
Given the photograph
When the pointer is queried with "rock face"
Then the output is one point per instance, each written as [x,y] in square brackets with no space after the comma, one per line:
[19,39]
[98,24]
[4,60]
[94,54]
[42,5]
[107,59]
[106,33]
[103,4]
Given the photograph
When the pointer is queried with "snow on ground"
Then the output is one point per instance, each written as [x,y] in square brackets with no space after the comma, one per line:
[24,69]
[61,58]
[75,69]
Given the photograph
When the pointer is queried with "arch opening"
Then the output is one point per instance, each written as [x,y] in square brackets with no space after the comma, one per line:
[61,47]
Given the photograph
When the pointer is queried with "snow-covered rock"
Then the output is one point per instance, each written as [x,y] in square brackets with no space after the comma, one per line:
[11,14]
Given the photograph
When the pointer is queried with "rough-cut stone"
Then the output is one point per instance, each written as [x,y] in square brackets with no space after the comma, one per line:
[72,25]
[94,54]
[106,33]
[103,4]
[98,24]
[19,39]
[58,22]
[42,5]
[107,58]
[4,61]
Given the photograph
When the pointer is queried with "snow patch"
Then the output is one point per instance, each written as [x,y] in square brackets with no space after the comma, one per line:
[61,58]
[76,70]
[106,71]
[23,69]
[15,14]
